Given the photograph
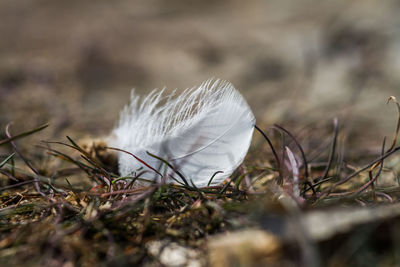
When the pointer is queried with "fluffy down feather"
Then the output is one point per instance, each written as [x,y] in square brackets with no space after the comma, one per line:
[200,132]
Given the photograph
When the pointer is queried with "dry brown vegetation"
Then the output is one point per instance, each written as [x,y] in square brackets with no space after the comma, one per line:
[300,66]
[285,206]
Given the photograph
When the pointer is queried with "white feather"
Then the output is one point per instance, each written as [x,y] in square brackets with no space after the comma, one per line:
[202,131]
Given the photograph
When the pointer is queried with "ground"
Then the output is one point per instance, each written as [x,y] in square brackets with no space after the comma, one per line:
[299,65]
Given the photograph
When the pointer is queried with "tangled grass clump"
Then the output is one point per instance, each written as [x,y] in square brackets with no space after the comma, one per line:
[77,209]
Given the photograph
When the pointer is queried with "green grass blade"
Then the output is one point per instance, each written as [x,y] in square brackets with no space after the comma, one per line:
[7,159]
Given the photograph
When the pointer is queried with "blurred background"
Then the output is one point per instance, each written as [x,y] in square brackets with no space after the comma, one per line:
[73,63]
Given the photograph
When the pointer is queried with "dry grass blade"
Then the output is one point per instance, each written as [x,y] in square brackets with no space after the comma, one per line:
[170,166]
[17,185]
[328,190]
[9,175]
[76,147]
[278,162]
[24,134]
[396,132]
[97,167]
[333,148]
[320,180]
[37,185]
[138,159]
[65,157]
[126,191]
[374,178]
